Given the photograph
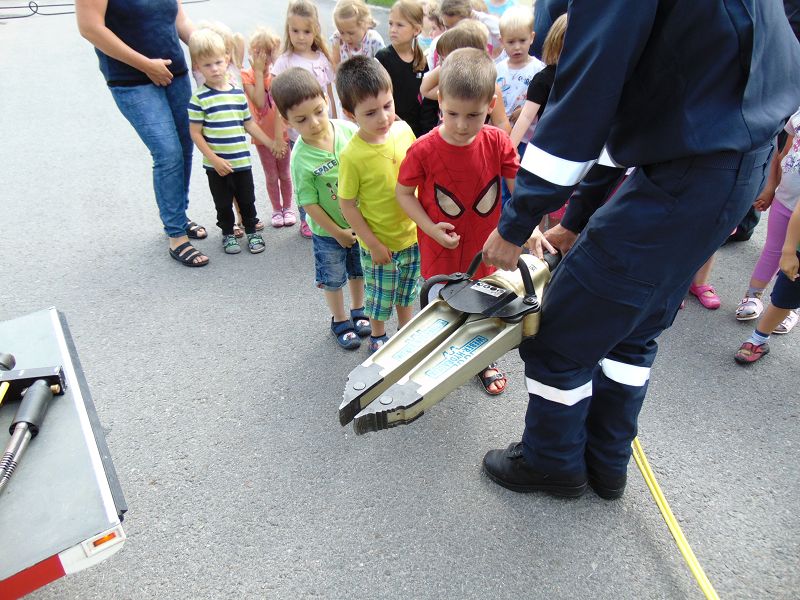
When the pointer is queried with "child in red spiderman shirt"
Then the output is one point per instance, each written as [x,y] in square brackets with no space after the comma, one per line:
[457,169]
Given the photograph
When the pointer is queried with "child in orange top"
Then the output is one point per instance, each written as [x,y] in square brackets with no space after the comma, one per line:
[264,47]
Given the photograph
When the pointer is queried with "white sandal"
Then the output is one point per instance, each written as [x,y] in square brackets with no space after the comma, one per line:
[787,324]
[749,308]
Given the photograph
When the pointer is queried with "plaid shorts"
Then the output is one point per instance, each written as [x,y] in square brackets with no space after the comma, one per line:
[393,284]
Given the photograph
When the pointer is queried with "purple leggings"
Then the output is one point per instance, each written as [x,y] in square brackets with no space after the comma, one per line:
[767,265]
[279,180]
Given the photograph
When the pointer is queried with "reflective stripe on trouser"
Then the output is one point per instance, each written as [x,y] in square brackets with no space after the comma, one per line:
[613,294]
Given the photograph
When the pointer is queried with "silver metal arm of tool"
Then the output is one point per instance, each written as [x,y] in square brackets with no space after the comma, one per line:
[471,324]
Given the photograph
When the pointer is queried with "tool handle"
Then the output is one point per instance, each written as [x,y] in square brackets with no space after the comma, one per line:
[33,407]
[527,281]
[7,361]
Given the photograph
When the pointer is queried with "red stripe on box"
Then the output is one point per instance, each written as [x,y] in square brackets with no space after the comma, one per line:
[31,578]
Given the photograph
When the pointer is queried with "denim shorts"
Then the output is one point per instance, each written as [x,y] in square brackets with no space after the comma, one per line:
[334,264]
[785,293]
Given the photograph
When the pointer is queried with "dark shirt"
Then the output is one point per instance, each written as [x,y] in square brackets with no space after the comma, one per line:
[653,81]
[147,26]
[547,11]
[420,113]
[540,86]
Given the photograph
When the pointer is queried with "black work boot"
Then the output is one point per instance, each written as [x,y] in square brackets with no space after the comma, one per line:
[608,487]
[509,469]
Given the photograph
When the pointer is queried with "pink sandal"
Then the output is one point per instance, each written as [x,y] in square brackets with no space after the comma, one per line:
[277,219]
[288,217]
[707,295]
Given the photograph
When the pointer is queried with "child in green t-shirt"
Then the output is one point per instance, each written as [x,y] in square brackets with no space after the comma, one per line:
[315,172]
[367,180]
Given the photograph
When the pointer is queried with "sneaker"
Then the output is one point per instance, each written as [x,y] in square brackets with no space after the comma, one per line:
[376,343]
[787,324]
[749,308]
[305,230]
[509,469]
[277,219]
[288,218]
[750,353]
[230,244]
[255,243]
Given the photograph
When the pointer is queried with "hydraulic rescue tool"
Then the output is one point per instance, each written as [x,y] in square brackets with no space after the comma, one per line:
[36,388]
[470,324]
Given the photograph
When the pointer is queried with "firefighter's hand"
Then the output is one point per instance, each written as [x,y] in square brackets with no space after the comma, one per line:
[499,253]
[561,237]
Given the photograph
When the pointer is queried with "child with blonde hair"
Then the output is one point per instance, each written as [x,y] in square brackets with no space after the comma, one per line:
[304,47]
[355,31]
[466,34]
[234,46]
[264,47]
[406,65]
[432,26]
[219,117]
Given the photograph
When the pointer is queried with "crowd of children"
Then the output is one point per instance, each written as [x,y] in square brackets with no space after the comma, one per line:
[399,156]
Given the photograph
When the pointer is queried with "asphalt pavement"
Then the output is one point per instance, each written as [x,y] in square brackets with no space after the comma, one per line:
[218,389]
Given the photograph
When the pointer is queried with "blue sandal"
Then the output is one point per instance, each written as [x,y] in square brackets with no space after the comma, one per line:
[360,322]
[376,343]
[345,334]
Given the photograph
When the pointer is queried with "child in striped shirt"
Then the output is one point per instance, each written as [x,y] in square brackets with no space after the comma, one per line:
[218,119]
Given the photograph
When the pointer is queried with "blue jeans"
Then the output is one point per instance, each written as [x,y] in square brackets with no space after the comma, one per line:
[335,264]
[158,114]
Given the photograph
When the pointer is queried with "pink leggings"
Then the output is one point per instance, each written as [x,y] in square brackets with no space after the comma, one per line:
[767,265]
[279,180]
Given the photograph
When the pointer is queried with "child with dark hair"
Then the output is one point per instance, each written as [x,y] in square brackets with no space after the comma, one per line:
[367,178]
[303,105]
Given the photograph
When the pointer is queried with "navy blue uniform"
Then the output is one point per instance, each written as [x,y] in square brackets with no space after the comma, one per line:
[691,93]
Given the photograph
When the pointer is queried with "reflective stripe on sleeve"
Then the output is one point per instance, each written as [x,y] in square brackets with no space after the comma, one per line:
[606,160]
[565,397]
[624,373]
[559,171]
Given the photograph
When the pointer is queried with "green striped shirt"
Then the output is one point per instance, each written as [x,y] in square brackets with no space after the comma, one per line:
[223,115]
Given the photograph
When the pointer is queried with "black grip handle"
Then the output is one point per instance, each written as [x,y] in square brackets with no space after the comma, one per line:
[7,361]
[530,291]
[33,407]
[426,288]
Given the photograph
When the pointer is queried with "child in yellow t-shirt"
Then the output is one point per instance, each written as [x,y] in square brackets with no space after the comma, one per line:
[368,169]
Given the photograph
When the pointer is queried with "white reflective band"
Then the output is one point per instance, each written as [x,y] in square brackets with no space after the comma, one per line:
[624,373]
[552,168]
[606,160]
[566,397]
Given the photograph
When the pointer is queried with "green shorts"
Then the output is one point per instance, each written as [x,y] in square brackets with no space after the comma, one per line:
[393,284]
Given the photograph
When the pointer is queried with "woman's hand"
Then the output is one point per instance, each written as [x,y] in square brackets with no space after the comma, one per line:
[156,69]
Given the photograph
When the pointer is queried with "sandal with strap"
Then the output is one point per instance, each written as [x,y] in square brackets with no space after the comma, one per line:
[787,324]
[750,352]
[186,253]
[376,343]
[488,380]
[255,243]
[288,217]
[707,295]
[345,334]
[195,231]
[749,308]
[360,322]
[277,219]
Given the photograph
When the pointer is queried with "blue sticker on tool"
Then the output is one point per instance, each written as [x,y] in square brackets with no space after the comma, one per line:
[419,338]
[455,356]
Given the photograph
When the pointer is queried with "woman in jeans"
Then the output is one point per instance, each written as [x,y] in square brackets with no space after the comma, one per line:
[137,43]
